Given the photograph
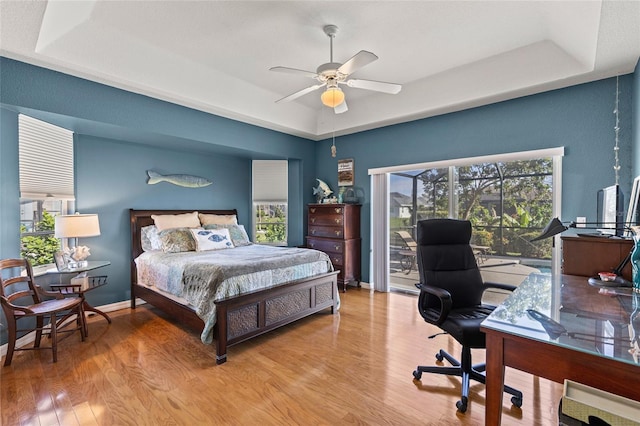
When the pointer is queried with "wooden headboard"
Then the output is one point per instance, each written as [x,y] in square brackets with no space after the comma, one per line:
[142,218]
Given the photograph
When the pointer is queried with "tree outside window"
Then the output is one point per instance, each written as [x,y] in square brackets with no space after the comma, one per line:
[271,223]
[37,241]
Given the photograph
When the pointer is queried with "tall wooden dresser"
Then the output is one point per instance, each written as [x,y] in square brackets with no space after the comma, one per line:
[335,230]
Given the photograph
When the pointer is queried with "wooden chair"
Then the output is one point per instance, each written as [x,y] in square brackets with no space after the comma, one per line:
[21,298]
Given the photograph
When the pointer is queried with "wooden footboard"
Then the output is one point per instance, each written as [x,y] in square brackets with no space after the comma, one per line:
[241,317]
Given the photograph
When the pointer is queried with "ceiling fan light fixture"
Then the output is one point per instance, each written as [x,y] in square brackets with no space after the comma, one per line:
[332,97]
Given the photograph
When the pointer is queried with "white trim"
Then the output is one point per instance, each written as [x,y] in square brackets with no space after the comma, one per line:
[511,156]
[30,337]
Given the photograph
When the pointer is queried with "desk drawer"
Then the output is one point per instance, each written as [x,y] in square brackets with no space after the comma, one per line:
[325,244]
[326,231]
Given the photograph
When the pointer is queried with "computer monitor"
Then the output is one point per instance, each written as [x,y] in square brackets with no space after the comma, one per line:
[611,211]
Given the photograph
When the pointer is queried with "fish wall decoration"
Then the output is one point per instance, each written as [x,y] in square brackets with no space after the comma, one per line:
[188,181]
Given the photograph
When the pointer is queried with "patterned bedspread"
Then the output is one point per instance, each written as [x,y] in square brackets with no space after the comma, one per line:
[201,278]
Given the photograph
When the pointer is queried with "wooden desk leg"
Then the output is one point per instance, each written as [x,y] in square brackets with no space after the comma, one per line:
[495,379]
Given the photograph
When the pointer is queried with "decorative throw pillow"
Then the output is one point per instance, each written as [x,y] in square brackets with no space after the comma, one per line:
[177,240]
[238,234]
[170,221]
[218,219]
[211,239]
[149,238]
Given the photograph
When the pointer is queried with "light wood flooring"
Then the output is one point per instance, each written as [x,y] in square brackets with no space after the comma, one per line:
[354,367]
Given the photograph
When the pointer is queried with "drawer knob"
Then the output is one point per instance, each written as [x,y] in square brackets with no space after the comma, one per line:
[338,221]
[313,220]
[312,210]
[336,247]
[338,210]
[338,233]
[312,245]
[313,232]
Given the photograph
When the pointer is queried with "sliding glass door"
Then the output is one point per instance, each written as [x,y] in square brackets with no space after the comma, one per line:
[508,202]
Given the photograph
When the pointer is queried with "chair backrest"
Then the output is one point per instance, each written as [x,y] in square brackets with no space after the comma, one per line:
[408,240]
[16,282]
[446,260]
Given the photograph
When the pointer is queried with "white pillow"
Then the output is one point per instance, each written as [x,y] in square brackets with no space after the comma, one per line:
[212,239]
[168,221]
[218,219]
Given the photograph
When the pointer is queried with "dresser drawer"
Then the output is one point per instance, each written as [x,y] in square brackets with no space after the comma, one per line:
[337,260]
[326,231]
[324,210]
[327,220]
[327,245]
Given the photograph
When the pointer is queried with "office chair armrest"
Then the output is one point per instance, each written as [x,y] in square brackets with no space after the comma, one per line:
[445,303]
[500,286]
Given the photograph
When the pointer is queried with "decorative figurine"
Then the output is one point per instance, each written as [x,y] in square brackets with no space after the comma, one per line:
[322,191]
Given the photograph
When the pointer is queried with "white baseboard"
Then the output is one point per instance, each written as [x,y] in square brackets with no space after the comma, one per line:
[30,338]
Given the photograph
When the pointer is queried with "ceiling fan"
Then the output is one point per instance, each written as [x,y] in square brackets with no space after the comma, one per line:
[332,74]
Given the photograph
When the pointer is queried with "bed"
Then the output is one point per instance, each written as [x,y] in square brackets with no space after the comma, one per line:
[238,317]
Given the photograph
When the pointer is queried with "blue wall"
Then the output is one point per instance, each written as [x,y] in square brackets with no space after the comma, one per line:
[118,136]
[111,124]
[579,118]
[111,179]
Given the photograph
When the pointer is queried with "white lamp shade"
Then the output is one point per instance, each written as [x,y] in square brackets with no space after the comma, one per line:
[77,225]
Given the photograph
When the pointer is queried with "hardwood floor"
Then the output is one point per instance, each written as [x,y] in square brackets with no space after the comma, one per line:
[354,367]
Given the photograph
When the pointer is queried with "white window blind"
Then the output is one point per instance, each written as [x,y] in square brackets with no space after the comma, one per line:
[46,160]
[270,180]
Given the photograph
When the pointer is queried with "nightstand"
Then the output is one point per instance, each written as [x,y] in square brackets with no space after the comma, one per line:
[81,288]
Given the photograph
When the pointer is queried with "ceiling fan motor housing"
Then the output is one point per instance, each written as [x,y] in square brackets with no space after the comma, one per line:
[328,71]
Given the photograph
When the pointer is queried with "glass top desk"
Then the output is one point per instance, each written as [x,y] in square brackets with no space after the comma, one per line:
[593,340]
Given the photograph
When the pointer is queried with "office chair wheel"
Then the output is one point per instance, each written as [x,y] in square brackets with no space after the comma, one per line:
[417,374]
[462,404]
[439,357]
[516,401]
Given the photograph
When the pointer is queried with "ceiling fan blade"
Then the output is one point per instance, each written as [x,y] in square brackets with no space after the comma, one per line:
[341,108]
[356,62]
[299,93]
[378,86]
[294,71]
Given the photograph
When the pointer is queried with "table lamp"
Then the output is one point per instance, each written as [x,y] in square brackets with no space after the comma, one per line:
[77,226]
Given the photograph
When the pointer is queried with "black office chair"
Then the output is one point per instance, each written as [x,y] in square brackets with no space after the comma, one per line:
[451,298]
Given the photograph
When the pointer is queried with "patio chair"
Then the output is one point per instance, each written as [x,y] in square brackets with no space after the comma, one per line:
[408,252]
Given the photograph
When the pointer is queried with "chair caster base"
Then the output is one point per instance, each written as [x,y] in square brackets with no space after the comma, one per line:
[417,374]
[517,401]
[462,405]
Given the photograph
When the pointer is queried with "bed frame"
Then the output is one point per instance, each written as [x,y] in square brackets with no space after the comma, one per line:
[241,317]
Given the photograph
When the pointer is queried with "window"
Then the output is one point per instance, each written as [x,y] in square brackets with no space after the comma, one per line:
[270,197]
[46,186]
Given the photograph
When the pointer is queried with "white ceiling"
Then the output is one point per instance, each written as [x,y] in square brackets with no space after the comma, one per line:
[215,55]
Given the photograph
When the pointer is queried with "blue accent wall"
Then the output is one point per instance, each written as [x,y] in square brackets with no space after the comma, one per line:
[9,181]
[111,179]
[120,134]
[580,118]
